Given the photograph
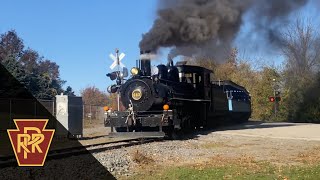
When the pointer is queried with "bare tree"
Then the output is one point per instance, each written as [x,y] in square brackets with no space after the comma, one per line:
[94,96]
[301,46]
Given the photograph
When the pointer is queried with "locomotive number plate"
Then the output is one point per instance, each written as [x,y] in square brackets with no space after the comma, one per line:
[136,94]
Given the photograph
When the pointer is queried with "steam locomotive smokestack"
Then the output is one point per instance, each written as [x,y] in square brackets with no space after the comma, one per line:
[145,63]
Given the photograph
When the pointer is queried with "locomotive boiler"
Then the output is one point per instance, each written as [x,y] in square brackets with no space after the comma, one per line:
[169,98]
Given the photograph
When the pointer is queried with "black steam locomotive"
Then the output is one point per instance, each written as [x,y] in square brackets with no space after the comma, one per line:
[170,98]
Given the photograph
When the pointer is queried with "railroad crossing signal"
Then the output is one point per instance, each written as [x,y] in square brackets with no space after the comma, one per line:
[274,99]
[113,75]
[117,59]
[117,75]
[271,99]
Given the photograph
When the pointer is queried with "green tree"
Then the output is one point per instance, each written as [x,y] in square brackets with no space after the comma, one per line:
[257,82]
[40,76]
[69,91]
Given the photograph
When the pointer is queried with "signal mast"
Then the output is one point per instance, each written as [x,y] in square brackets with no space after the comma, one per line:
[117,75]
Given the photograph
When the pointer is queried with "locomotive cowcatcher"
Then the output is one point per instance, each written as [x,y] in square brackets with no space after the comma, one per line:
[170,98]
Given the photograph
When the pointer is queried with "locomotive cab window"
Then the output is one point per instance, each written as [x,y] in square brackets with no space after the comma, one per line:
[188,78]
[192,78]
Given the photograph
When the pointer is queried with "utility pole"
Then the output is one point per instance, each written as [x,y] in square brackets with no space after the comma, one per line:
[275,104]
[119,78]
[276,97]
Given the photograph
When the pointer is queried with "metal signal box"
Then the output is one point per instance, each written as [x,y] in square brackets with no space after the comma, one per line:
[69,114]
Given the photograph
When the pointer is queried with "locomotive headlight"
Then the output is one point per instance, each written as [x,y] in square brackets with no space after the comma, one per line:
[134,71]
[166,107]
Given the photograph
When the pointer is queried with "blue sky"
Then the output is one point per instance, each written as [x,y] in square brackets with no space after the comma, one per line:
[79,35]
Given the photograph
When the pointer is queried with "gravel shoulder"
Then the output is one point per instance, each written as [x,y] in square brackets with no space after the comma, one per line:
[282,144]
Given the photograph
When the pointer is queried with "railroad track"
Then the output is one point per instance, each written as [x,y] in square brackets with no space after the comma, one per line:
[10,161]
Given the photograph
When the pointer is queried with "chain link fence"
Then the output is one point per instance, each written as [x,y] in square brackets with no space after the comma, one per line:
[93,113]
[29,108]
[22,109]
[50,105]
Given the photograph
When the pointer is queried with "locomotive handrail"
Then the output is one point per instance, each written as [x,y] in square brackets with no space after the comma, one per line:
[197,100]
[230,83]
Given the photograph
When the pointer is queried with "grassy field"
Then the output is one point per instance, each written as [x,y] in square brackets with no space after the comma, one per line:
[262,171]
[245,167]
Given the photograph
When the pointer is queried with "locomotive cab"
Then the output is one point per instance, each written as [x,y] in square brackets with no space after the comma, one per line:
[198,77]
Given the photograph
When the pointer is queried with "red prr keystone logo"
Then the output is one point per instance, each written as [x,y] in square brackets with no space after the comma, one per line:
[31,141]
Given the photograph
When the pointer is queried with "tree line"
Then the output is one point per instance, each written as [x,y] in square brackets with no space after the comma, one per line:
[298,79]
[39,75]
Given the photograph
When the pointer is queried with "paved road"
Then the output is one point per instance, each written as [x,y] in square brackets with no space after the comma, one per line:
[298,131]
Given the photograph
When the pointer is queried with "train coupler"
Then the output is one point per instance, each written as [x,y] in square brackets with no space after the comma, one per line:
[131,118]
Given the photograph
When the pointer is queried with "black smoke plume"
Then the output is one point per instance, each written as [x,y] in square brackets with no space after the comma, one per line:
[207,28]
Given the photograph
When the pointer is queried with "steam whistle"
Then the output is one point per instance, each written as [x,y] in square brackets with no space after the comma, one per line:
[170,61]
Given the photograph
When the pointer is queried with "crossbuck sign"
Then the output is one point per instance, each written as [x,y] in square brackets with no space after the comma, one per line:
[117,60]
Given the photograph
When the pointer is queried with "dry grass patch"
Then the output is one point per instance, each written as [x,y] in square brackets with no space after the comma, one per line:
[92,123]
[140,158]
[214,145]
[243,161]
[309,157]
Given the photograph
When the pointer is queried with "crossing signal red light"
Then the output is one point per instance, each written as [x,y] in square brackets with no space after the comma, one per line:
[272,99]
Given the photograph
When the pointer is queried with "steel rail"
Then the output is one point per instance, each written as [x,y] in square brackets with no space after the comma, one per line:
[10,161]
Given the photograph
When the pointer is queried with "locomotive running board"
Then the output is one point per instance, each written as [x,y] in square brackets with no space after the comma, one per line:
[137,134]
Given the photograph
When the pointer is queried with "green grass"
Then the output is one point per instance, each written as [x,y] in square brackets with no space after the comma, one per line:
[297,173]
[260,172]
